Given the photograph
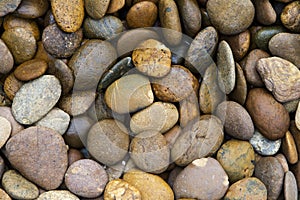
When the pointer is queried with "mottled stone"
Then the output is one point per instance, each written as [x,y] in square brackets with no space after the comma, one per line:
[189,109]
[5,131]
[57,194]
[264,34]
[6,58]
[265,13]
[264,146]
[8,6]
[120,189]
[4,195]
[202,179]
[290,16]
[239,93]
[115,5]
[290,186]
[31,69]
[289,148]
[32,8]
[281,77]
[7,114]
[44,94]
[96,8]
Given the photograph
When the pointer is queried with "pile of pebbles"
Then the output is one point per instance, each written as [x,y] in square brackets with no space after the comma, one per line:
[157,99]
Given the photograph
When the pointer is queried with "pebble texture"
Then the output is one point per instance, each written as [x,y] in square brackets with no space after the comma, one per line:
[6,58]
[8,6]
[264,146]
[31,69]
[96,8]
[57,194]
[44,94]
[118,189]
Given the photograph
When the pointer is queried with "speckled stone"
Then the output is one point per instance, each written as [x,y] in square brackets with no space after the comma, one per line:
[57,194]
[44,94]
[290,186]
[7,114]
[56,119]
[5,131]
[18,187]
[6,58]
[230,17]
[96,8]
[121,189]
[290,16]
[264,146]
[202,179]
[8,6]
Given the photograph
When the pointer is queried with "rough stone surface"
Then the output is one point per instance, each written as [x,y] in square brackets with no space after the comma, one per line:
[118,189]
[96,9]
[57,194]
[290,16]
[264,146]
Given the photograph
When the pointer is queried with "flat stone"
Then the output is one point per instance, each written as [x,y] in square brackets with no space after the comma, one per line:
[6,58]
[281,77]
[121,189]
[24,152]
[6,113]
[8,6]
[57,194]
[5,131]
[239,93]
[264,146]
[96,9]
[44,94]
[230,17]
[290,186]
[55,119]
[31,69]
[18,187]
[289,148]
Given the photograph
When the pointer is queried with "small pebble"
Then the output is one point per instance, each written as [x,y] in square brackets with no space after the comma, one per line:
[30,70]
[96,9]
[265,13]
[290,186]
[290,16]
[57,194]
[74,155]
[5,131]
[6,58]
[115,5]
[240,91]
[120,189]
[12,85]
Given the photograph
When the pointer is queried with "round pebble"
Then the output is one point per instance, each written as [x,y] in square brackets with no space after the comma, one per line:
[18,187]
[44,94]
[247,188]
[86,178]
[158,116]
[6,113]
[237,121]
[290,16]
[6,58]
[142,14]
[240,91]
[152,58]
[96,9]
[12,85]
[120,189]
[202,179]
[150,186]
[5,131]
[57,194]
[289,148]
[61,44]
[230,17]
[8,6]
[264,146]
[290,186]
[31,69]
[108,141]
[268,115]
[68,14]
[24,152]
[270,172]
[237,158]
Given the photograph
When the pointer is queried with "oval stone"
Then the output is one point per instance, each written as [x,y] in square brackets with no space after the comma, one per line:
[68,14]
[239,93]
[115,5]
[290,186]
[8,6]
[31,69]
[18,187]
[264,11]
[5,131]
[264,34]
[289,148]
[24,152]
[96,8]
[57,194]
[35,99]
[6,58]
[264,146]
[290,16]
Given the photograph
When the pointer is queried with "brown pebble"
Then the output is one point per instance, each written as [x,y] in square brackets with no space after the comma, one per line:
[8,6]
[281,158]
[7,114]
[142,14]
[115,5]
[172,135]
[289,148]
[32,8]
[290,16]
[30,70]
[5,131]
[96,9]
[41,53]
[4,195]
[265,13]
[12,86]
[239,93]
[120,189]
[74,155]
[57,194]
[6,58]
[189,109]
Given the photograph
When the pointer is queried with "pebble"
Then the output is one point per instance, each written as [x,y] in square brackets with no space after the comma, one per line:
[68,15]
[120,189]
[281,77]
[237,121]
[296,171]
[264,146]
[197,140]
[247,188]
[152,58]
[170,20]
[230,17]
[4,195]
[115,5]
[55,119]
[198,57]
[63,73]
[286,46]
[291,106]
[57,194]
[24,152]
[170,89]
[12,86]
[31,69]
[159,116]
[106,28]
[263,36]
[61,44]
[249,66]
[6,58]
[297,117]
[188,110]
[77,103]
[74,155]
[18,187]
[265,13]
[270,172]
[290,16]
[210,94]
[86,178]
[8,6]
[240,91]
[108,141]
[5,131]
[32,9]
[190,15]
[289,148]
[237,158]
[129,93]
[142,14]
[269,116]
[202,179]
[150,186]
[44,94]
[290,186]
[2,166]
[6,113]
[41,53]
[88,66]
[21,44]
[96,9]
[99,110]
[172,135]
[239,44]
[226,67]
[281,158]
[149,157]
